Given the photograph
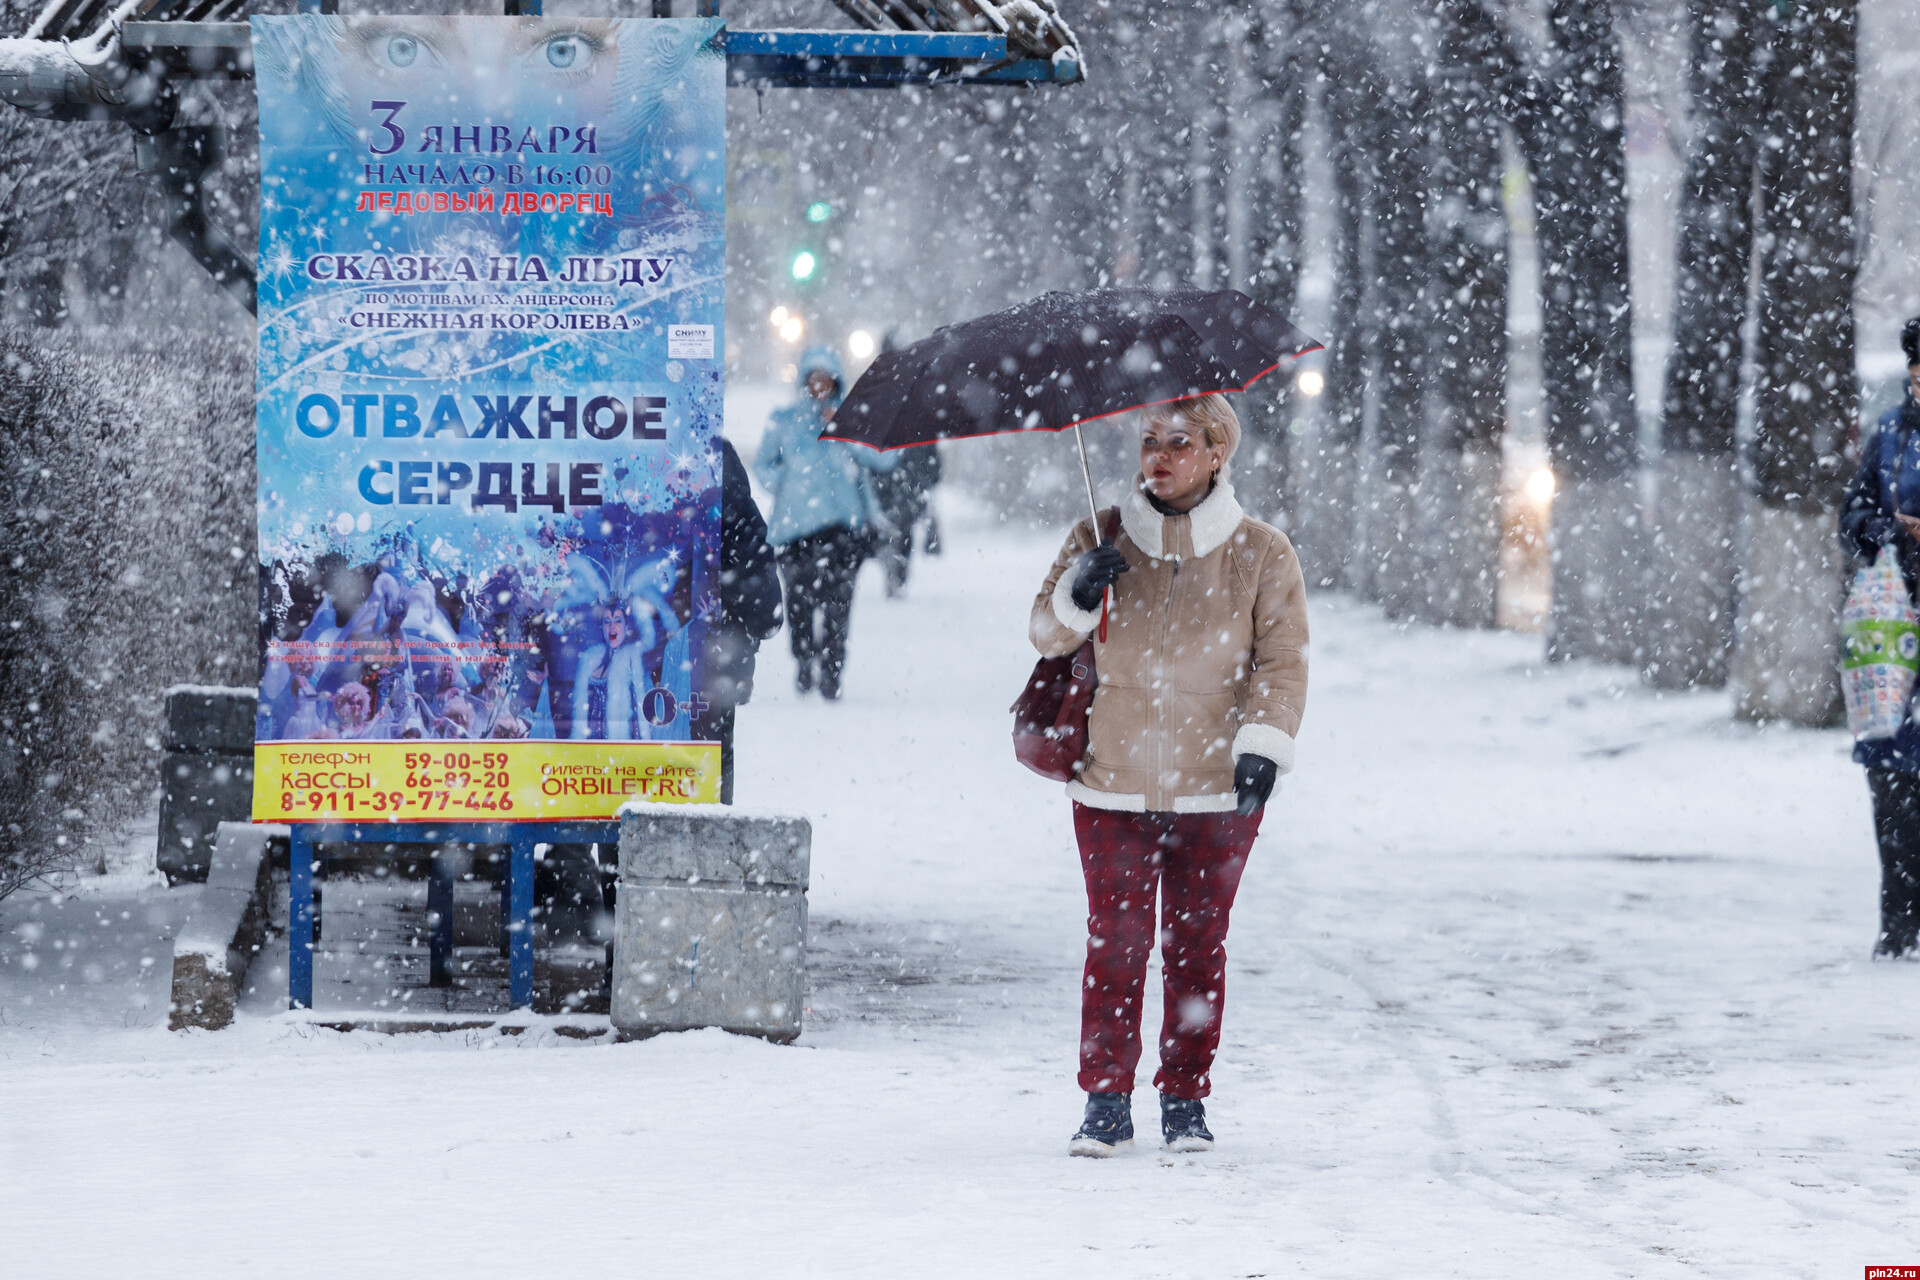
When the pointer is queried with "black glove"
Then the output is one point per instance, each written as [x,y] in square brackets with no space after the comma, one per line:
[1093,573]
[1253,778]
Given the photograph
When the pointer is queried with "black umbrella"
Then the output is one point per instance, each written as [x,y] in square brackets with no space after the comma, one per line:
[1063,359]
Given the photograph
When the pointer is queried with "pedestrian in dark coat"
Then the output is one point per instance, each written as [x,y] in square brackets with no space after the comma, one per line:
[749,612]
[906,497]
[1882,509]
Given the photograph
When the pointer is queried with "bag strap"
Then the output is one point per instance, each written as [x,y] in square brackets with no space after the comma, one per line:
[1113,533]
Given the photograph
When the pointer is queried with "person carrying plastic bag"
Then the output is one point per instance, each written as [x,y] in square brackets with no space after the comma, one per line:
[1882,649]
[1880,525]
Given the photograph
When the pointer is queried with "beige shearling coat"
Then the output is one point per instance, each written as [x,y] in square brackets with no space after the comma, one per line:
[1205,658]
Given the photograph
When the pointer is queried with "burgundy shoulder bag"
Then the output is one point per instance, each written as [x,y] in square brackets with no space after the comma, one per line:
[1050,715]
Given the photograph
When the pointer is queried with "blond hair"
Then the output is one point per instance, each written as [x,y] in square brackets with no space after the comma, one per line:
[1210,413]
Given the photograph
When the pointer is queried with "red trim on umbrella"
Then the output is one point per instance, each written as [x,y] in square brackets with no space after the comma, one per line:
[1111,413]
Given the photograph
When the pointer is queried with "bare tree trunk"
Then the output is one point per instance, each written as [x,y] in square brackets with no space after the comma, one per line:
[1570,128]
[1692,553]
[1460,474]
[1330,539]
[1786,649]
[1398,299]
[1263,224]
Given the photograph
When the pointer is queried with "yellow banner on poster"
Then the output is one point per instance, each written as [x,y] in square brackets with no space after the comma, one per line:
[430,780]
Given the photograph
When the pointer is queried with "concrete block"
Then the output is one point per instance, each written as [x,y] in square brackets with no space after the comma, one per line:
[227,928]
[198,792]
[695,956]
[711,923]
[204,718]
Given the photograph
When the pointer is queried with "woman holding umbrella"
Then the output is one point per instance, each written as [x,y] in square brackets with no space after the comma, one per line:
[1202,679]
[1198,619]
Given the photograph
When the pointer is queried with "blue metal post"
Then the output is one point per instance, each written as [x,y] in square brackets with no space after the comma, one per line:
[506,907]
[299,919]
[520,947]
[439,920]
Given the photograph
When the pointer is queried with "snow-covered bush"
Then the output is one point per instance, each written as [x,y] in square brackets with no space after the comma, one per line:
[127,553]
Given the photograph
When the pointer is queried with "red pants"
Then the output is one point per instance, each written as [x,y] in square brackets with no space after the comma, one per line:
[1195,860]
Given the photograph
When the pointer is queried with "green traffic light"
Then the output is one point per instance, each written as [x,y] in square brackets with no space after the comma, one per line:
[803,265]
[819,211]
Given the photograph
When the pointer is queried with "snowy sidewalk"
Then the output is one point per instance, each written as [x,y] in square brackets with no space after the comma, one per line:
[1532,969]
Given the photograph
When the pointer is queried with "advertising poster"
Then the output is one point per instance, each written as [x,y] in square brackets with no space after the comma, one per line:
[490,388]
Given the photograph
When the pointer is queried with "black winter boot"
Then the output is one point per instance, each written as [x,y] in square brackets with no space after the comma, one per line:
[1183,1122]
[1107,1127]
[1897,941]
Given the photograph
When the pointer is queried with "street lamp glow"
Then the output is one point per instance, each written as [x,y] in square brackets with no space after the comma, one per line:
[792,329]
[1541,486]
[860,343]
[1312,382]
[803,265]
[777,317]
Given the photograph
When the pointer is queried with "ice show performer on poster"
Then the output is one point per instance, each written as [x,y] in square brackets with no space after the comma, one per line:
[353,712]
[497,703]
[648,597]
[546,605]
[615,660]
[1202,680]
[824,513]
[1881,509]
[306,720]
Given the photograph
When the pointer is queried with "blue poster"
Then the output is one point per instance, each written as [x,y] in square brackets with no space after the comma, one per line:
[490,388]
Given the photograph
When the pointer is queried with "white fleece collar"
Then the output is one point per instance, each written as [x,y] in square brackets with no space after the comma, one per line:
[1213,521]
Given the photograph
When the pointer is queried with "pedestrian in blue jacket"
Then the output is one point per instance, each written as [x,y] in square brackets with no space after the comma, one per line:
[1882,509]
[824,519]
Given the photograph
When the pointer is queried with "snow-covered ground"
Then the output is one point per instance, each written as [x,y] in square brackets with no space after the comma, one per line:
[1533,972]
